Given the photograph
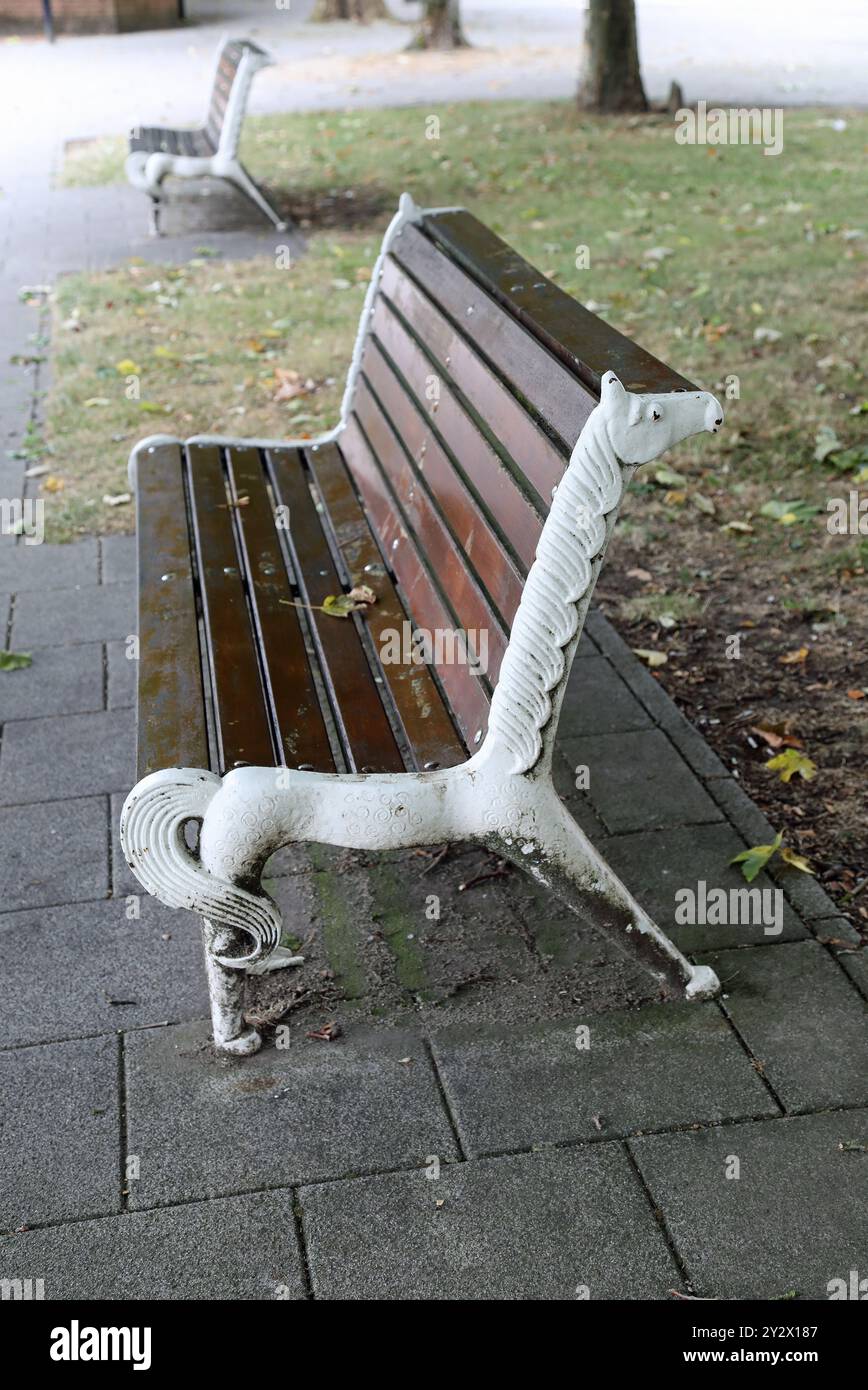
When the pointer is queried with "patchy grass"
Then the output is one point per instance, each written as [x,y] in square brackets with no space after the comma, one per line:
[748,273]
[89,163]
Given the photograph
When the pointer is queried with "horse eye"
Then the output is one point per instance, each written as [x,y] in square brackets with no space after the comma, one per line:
[655,414]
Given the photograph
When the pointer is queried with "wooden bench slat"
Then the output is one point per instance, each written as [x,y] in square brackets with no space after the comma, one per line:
[494,485]
[242,725]
[586,344]
[418,702]
[541,460]
[465,693]
[290,687]
[172,730]
[530,368]
[357,706]
[428,531]
[500,575]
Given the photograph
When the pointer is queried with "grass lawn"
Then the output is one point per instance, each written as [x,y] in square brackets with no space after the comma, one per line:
[733,266]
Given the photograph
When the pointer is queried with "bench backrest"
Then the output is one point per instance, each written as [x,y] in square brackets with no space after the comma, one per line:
[475,377]
[238,61]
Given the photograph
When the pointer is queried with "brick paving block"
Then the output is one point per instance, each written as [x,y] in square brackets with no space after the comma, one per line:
[97,613]
[743,813]
[26,568]
[690,743]
[89,968]
[648,1068]
[598,702]
[123,879]
[118,559]
[838,933]
[122,676]
[795,1218]
[53,853]
[61,680]
[206,1126]
[59,1142]
[802,1020]
[656,864]
[234,1248]
[564,774]
[527,1227]
[855,963]
[639,782]
[73,755]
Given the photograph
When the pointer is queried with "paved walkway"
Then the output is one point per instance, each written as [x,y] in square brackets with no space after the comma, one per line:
[453,1141]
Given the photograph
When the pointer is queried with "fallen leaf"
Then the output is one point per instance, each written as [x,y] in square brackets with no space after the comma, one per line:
[790,762]
[797,861]
[340,605]
[826,442]
[53,484]
[644,575]
[327,1033]
[795,658]
[703,504]
[737,526]
[93,401]
[15,661]
[667,477]
[766,335]
[127,367]
[855,694]
[775,739]
[362,593]
[117,500]
[756,858]
[651,658]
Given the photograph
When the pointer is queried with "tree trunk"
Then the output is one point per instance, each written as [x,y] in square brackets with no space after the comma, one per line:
[611,80]
[362,10]
[440,27]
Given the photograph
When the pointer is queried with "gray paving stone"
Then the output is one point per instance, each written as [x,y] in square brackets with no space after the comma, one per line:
[61,680]
[59,1139]
[209,1126]
[528,1227]
[38,567]
[90,614]
[649,1068]
[795,1218]
[802,1020]
[74,755]
[598,702]
[88,968]
[123,879]
[639,782]
[53,853]
[118,559]
[122,676]
[5,615]
[234,1248]
[855,963]
[838,933]
[657,863]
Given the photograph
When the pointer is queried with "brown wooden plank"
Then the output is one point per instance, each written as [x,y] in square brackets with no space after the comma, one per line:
[428,532]
[289,684]
[532,370]
[497,489]
[585,343]
[540,459]
[419,705]
[357,706]
[172,729]
[465,693]
[243,727]
[501,576]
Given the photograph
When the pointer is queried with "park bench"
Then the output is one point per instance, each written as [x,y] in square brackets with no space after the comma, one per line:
[488,428]
[155,153]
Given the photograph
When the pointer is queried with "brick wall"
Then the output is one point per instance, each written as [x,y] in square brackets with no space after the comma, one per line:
[89,16]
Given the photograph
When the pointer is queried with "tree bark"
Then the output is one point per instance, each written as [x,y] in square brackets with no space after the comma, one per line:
[361,10]
[440,27]
[611,80]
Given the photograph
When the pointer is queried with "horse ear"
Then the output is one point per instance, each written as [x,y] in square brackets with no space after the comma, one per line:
[611,390]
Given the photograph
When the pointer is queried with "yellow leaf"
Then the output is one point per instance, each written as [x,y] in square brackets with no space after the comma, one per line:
[651,658]
[795,658]
[798,861]
[127,367]
[52,484]
[790,762]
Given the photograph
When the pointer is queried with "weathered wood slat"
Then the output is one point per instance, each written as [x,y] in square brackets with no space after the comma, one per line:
[419,705]
[533,372]
[242,723]
[428,532]
[541,460]
[172,729]
[289,684]
[357,706]
[584,343]
[465,693]
[498,490]
[499,573]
